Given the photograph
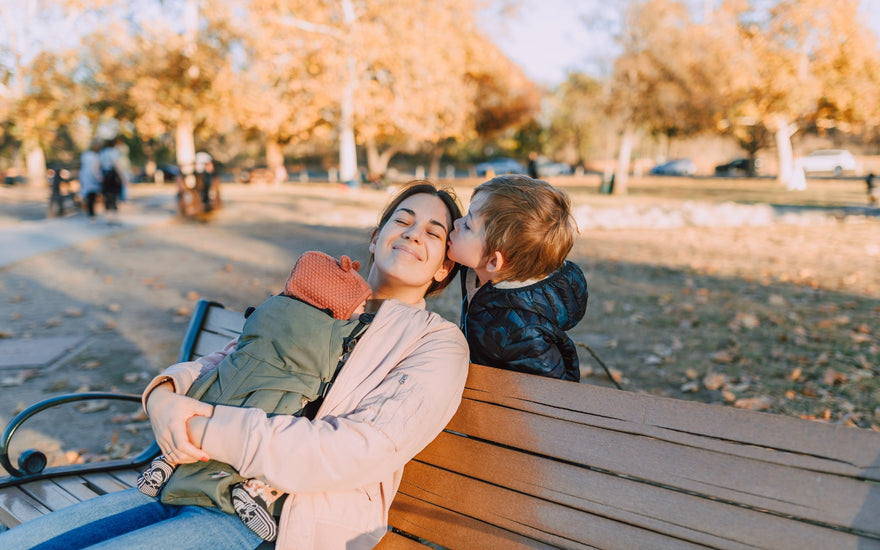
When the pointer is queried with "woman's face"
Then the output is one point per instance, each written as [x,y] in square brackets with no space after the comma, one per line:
[409,251]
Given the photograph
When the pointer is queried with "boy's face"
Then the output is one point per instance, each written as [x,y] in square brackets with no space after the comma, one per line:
[467,242]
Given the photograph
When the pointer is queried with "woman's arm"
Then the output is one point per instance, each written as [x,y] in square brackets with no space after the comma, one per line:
[169,410]
[389,426]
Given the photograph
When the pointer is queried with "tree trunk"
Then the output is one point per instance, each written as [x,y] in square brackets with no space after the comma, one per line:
[186,149]
[783,148]
[621,174]
[35,163]
[348,170]
[377,163]
[275,160]
[436,155]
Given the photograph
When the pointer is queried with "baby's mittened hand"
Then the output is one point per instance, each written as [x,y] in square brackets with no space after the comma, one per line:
[151,481]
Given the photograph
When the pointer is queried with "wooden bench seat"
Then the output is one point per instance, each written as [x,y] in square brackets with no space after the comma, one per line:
[530,462]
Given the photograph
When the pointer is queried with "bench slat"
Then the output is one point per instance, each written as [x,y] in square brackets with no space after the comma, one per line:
[393,541]
[628,501]
[209,342]
[223,321]
[817,497]
[451,529]
[50,494]
[77,486]
[16,506]
[105,482]
[128,477]
[822,447]
[548,522]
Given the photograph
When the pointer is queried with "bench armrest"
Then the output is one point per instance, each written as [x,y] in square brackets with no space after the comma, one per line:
[32,463]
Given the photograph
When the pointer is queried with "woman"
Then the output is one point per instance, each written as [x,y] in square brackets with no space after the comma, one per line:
[399,388]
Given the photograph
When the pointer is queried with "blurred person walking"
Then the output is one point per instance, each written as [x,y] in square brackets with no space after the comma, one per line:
[111,180]
[90,178]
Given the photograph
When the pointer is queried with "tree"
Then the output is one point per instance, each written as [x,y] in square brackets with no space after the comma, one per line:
[798,64]
[157,77]
[404,75]
[36,92]
[659,83]
[578,121]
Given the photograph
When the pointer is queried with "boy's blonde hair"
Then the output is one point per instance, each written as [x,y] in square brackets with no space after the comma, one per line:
[529,221]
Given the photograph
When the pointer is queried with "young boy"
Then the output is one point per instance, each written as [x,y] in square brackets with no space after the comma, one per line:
[520,294]
[275,367]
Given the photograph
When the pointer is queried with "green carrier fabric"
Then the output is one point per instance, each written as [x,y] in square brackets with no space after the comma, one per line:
[278,366]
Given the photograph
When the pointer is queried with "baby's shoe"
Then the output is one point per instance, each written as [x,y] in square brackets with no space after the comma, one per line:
[253,510]
[155,476]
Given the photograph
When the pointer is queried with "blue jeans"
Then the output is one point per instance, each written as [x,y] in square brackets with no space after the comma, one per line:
[131,520]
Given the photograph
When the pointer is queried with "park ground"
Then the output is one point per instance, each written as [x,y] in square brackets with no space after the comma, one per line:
[726,291]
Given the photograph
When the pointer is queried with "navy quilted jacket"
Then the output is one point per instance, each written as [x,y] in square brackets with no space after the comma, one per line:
[523,329]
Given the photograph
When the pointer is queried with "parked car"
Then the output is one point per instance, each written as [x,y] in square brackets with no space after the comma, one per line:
[498,166]
[548,169]
[677,167]
[836,161]
[739,167]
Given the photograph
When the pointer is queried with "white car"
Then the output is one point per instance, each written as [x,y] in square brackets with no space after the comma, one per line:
[836,161]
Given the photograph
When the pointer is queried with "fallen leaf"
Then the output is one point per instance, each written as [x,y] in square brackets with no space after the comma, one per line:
[722,356]
[691,386]
[728,396]
[73,457]
[192,295]
[712,381]
[832,377]
[790,395]
[776,300]
[753,403]
[94,405]
[691,373]
[73,312]
[859,337]
[89,365]
[746,320]
[795,374]
[114,308]
[52,322]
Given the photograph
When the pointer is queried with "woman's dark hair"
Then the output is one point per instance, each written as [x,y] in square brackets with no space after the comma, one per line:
[425,187]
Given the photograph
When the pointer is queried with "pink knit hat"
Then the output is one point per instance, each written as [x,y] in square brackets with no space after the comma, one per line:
[326,283]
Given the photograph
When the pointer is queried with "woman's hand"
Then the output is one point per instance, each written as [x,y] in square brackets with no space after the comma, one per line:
[169,413]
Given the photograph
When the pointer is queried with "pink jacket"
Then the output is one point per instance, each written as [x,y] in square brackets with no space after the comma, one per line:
[398,390]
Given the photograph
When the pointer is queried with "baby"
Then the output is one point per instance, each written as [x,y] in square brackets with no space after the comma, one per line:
[277,367]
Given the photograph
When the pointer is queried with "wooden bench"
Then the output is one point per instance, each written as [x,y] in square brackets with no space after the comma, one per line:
[530,462]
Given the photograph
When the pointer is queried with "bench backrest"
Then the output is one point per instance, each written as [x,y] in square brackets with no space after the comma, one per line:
[531,462]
